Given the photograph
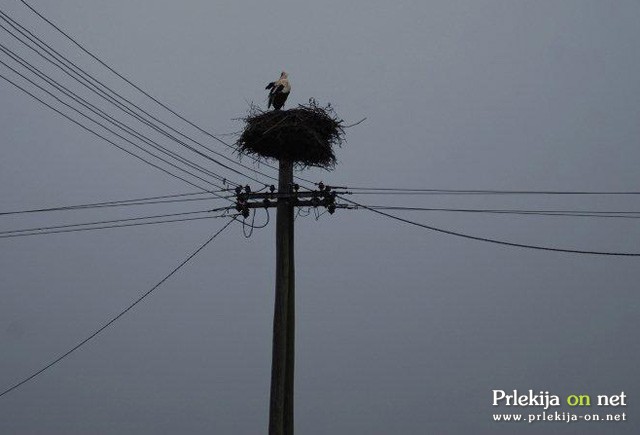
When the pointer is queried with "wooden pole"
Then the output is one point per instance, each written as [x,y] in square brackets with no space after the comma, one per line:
[291,325]
[282,363]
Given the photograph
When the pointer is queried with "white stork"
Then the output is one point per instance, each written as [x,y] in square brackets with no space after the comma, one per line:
[279,91]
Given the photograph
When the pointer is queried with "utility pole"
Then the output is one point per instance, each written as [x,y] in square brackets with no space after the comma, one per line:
[282,363]
[285,199]
[304,136]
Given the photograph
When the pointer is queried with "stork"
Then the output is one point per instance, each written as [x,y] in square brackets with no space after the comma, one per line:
[278,91]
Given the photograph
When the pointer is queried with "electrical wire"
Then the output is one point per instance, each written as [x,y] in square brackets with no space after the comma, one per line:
[136,224]
[402,191]
[56,56]
[39,230]
[489,240]
[117,317]
[148,95]
[112,142]
[152,200]
[302,212]
[127,129]
[318,215]
[569,213]
[161,149]
[97,86]
[252,225]
[244,230]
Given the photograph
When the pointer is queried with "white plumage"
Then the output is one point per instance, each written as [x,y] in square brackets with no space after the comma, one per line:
[279,91]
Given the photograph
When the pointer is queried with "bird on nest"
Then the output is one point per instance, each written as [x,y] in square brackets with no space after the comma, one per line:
[278,91]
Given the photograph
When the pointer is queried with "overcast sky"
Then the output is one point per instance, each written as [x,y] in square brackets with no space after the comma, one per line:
[400,330]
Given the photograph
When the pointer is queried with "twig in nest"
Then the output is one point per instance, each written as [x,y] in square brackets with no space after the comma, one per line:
[356,123]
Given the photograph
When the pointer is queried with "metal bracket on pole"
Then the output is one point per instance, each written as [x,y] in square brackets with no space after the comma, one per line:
[324,197]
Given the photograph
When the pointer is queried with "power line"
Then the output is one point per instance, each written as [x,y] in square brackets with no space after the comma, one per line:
[569,213]
[124,127]
[252,226]
[114,319]
[135,224]
[403,191]
[154,99]
[151,200]
[161,149]
[81,76]
[489,240]
[110,141]
[37,230]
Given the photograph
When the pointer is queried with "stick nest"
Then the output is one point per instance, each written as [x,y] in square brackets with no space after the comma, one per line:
[306,135]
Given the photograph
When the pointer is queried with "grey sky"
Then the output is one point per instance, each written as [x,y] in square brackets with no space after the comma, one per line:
[400,330]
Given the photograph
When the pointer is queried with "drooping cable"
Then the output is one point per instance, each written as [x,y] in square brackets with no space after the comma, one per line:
[117,317]
[489,240]
[563,213]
